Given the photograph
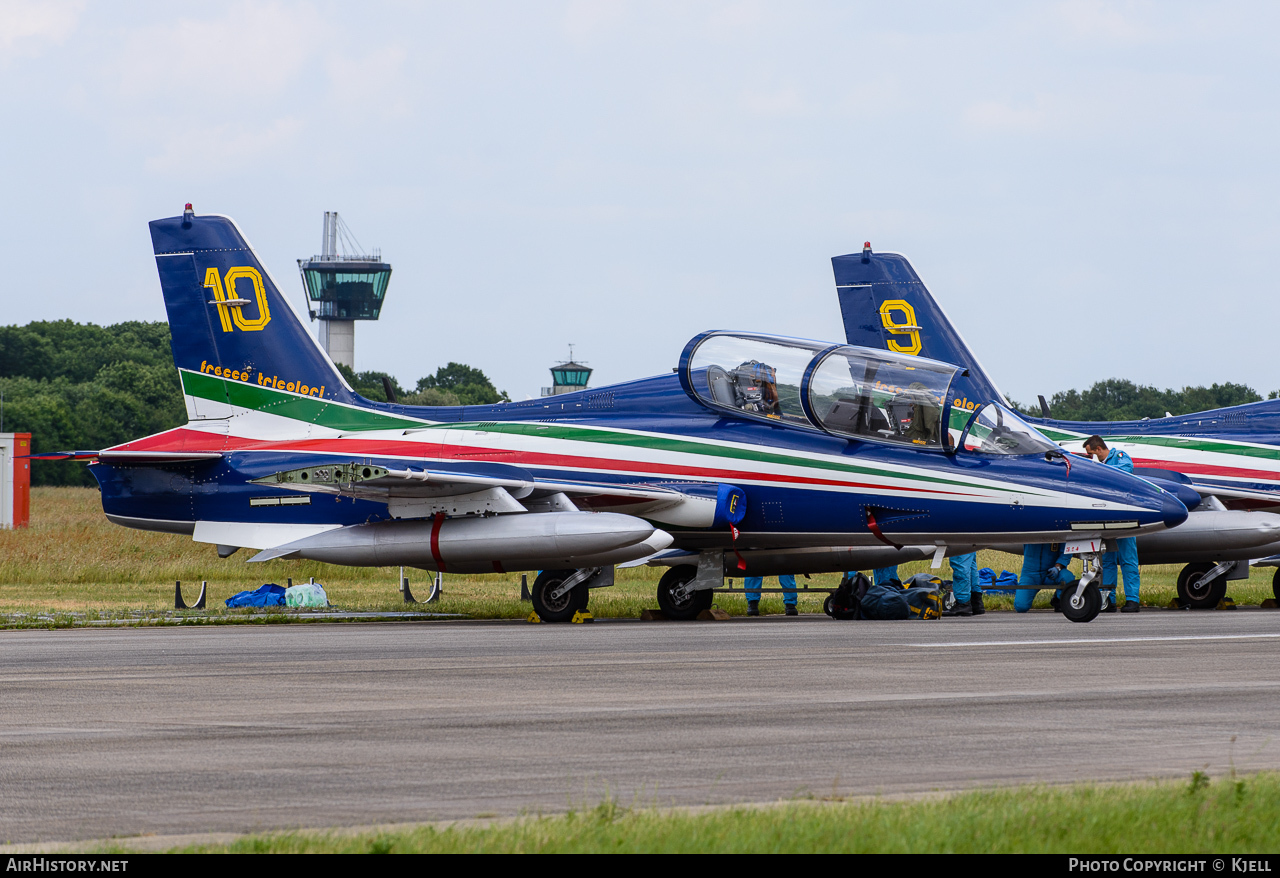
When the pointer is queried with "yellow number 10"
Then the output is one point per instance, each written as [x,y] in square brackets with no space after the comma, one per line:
[230,305]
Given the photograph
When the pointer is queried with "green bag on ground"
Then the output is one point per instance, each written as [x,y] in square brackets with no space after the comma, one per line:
[308,594]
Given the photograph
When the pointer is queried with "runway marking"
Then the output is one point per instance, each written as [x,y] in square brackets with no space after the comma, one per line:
[1097,640]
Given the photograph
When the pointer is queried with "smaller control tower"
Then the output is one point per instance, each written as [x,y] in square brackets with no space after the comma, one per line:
[343,287]
[568,377]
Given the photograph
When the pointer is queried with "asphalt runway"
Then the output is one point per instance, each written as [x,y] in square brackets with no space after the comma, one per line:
[242,728]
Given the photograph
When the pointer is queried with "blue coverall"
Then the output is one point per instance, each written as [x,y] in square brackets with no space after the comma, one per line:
[1126,548]
[884,574]
[964,576]
[1036,561]
[752,585]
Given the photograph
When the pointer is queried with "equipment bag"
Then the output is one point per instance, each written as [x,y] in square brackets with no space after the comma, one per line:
[843,603]
[885,601]
[925,602]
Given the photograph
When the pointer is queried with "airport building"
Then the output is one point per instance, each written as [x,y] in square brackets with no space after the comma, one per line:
[343,285]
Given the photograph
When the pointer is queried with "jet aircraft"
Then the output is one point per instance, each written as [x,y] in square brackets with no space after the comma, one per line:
[1221,462]
[758,455]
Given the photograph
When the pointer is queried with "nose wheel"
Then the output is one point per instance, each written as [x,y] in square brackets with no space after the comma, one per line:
[1082,601]
[1082,605]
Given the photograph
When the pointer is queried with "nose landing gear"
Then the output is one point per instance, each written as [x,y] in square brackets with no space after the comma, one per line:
[1083,601]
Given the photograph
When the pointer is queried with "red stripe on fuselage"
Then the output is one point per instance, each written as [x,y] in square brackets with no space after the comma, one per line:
[1206,469]
[424,451]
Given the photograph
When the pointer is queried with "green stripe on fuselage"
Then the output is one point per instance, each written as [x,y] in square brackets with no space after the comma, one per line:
[310,409]
[684,446]
[313,410]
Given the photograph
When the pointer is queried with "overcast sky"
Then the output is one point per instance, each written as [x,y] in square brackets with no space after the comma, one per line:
[1089,188]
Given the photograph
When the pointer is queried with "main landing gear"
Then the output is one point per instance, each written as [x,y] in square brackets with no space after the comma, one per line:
[1202,586]
[558,594]
[676,599]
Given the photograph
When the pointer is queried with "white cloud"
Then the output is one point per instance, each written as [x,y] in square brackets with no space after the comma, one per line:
[1003,117]
[220,148]
[249,50]
[376,79]
[774,102]
[29,26]
[1109,22]
[586,21]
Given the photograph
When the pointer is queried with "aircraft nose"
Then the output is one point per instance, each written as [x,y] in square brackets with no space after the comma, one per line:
[1174,512]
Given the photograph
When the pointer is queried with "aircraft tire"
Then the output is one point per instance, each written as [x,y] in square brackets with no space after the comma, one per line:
[692,604]
[1088,607]
[561,609]
[836,608]
[1275,584]
[1196,596]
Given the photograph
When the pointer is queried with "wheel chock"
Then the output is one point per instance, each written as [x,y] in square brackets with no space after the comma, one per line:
[582,616]
[534,617]
[1226,604]
[715,614]
[1270,604]
[652,616]
[179,604]
[1177,604]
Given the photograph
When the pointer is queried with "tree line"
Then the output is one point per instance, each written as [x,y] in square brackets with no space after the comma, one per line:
[1119,400]
[82,387]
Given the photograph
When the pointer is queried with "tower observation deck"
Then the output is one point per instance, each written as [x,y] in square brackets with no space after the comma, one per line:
[343,285]
[568,376]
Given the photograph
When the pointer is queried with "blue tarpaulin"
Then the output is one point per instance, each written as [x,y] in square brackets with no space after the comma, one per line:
[269,595]
[992,584]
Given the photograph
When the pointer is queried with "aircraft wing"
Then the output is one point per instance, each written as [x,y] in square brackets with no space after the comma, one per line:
[127,458]
[1233,493]
[497,487]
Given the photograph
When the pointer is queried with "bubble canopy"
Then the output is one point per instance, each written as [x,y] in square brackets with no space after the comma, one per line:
[858,393]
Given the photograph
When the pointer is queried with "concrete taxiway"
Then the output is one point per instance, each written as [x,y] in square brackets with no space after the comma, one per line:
[180,730]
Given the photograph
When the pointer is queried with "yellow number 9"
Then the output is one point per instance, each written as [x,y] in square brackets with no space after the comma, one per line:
[907,328]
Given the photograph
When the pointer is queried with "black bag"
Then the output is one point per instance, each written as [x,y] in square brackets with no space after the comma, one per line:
[843,603]
[885,601]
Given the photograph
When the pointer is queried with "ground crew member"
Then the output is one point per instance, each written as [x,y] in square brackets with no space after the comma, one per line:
[964,585]
[881,575]
[752,584]
[1043,564]
[1126,547]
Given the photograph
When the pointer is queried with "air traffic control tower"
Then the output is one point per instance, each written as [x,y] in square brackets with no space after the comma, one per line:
[567,377]
[343,287]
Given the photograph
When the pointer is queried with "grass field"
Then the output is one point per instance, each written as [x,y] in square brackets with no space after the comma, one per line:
[1229,815]
[71,560]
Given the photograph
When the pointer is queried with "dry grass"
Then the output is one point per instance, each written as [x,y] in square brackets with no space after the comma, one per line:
[72,560]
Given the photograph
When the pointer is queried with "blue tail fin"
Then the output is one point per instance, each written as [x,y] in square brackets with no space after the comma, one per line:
[885,305]
[227,318]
